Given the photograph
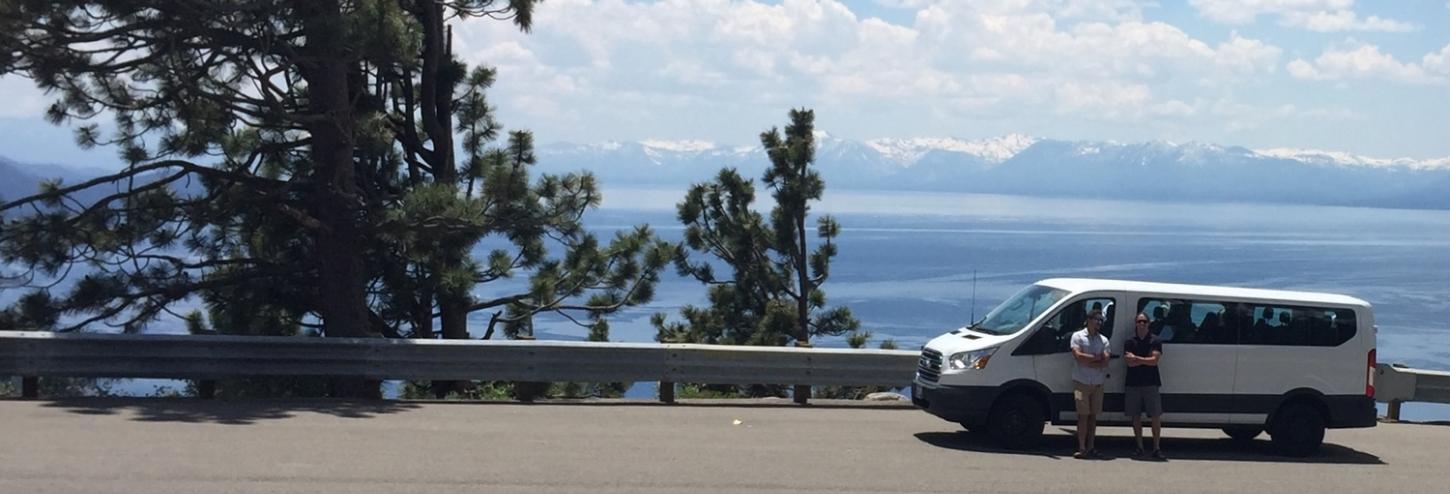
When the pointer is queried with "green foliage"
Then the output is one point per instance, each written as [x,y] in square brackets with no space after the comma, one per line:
[267,387]
[196,323]
[292,165]
[709,392]
[69,387]
[483,391]
[771,294]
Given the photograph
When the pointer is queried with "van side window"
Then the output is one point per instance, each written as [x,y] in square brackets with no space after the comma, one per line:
[1055,335]
[1193,321]
[1228,323]
[1283,325]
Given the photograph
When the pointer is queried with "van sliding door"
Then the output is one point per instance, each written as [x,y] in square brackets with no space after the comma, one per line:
[1200,359]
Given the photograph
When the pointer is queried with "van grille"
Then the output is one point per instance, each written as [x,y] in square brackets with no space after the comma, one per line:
[929,367]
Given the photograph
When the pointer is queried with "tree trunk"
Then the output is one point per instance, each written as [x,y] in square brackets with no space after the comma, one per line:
[802,309]
[341,268]
[423,310]
[437,107]
[437,93]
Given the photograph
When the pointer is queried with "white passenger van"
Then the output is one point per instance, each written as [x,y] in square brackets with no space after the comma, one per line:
[1244,360]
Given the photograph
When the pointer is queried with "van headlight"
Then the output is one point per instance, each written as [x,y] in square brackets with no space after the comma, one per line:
[975,359]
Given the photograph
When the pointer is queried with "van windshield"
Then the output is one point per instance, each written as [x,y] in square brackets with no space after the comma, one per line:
[1014,314]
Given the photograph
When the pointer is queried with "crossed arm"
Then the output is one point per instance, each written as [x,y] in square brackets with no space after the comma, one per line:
[1134,360]
[1097,361]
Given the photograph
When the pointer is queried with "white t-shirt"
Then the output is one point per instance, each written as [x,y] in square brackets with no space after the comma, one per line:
[1091,346]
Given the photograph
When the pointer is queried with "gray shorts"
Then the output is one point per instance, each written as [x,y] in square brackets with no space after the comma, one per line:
[1142,399]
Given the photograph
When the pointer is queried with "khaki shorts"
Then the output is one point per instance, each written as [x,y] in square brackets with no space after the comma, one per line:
[1088,398]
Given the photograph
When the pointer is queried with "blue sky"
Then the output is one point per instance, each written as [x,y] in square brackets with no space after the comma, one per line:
[1364,77]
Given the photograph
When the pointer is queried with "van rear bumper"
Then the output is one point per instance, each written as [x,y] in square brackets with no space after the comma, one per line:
[1350,411]
[966,405]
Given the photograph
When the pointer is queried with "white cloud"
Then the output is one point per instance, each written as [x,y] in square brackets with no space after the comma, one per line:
[1314,15]
[1366,61]
[22,98]
[1345,20]
[1173,108]
[1246,55]
[1239,117]
[1437,62]
[631,64]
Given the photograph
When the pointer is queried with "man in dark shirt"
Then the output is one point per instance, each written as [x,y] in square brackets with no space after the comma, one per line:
[1142,353]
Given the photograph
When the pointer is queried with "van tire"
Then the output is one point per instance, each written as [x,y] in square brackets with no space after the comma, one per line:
[1243,434]
[1298,429]
[974,429]
[1016,421]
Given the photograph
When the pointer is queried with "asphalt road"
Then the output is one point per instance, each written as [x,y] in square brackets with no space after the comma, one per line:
[189,446]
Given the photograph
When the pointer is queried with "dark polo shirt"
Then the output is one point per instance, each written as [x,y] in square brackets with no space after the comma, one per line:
[1143,375]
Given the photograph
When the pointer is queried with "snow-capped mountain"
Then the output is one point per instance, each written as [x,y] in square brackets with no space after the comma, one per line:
[1340,158]
[910,150]
[1012,164]
[1019,164]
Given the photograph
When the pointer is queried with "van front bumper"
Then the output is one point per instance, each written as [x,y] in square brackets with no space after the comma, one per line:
[966,405]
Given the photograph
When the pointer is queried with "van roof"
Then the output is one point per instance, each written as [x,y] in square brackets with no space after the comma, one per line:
[1085,284]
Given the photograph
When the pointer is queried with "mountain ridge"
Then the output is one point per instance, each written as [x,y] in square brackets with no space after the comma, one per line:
[1011,164]
[1025,165]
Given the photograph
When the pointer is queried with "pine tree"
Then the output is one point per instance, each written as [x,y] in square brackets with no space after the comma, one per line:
[292,164]
[773,292]
[794,184]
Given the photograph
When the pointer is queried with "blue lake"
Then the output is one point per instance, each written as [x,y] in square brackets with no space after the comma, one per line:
[907,260]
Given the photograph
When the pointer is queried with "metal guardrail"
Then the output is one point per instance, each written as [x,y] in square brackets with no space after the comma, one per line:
[217,357]
[1396,384]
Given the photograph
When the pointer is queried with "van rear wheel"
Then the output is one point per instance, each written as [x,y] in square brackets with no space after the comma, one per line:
[1298,429]
[1243,434]
[1016,421]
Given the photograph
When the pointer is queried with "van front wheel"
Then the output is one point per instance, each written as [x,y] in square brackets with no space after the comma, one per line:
[1298,430]
[1017,421]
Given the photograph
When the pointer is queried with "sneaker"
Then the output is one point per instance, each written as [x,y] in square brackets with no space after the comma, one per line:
[1139,453]
[1158,455]
[1081,455]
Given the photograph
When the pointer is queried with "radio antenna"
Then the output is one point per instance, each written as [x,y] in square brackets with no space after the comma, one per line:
[974,296]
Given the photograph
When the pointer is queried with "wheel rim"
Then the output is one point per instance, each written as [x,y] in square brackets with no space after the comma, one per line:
[1015,423]
[1300,430]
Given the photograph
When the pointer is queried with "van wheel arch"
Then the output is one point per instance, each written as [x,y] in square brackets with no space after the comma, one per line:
[1033,389]
[1308,396]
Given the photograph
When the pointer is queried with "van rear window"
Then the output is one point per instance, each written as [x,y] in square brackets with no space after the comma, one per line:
[1228,323]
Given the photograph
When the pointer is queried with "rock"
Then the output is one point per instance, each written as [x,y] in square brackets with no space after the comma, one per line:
[885,397]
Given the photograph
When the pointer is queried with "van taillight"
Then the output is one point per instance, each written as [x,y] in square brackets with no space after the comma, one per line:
[1369,376]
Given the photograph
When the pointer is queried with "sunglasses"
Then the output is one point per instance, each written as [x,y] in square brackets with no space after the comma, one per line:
[1142,321]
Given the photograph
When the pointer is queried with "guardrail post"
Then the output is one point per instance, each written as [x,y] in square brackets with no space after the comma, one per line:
[1394,414]
[802,392]
[30,387]
[667,392]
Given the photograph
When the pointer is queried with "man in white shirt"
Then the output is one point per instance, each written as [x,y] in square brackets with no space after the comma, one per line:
[1090,353]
